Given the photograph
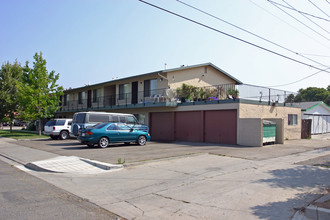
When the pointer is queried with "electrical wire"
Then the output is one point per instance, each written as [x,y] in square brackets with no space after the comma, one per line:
[315,55]
[301,79]
[301,12]
[275,4]
[318,8]
[288,24]
[231,36]
[249,32]
[308,18]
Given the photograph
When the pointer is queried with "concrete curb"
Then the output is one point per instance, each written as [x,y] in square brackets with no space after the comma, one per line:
[71,164]
[314,212]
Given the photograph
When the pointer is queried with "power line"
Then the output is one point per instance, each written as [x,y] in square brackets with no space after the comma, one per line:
[301,12]
[315,55]
[301,79]
[309,19]
[318,8]
[275,4]
[249,32]
[229,35]
[288,24]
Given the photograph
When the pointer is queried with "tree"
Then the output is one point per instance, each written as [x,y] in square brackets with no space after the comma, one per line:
[290,98]
[39,93]
[313,94]
[10,75]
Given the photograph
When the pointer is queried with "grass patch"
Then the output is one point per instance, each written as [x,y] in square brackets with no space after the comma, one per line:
[17,134]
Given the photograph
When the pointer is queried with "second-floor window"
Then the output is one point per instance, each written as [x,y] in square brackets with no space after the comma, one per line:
[123,91]
[150,87]
[81,97]
[96,94]
[66,99]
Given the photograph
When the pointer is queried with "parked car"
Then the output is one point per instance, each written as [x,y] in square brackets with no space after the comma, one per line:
[58,128]
[105,133]
[83,120]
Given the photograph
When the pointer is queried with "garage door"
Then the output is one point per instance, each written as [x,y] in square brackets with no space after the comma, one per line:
[188,126]
[220,126]
[162,126]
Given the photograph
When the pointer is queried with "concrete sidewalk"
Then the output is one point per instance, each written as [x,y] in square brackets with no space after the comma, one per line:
[201,186]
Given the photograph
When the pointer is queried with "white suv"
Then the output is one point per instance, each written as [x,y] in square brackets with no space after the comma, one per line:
[58,128]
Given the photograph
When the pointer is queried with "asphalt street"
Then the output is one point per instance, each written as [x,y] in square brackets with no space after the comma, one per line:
[23,196]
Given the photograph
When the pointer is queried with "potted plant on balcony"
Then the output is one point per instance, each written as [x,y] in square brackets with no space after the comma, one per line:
[232,93]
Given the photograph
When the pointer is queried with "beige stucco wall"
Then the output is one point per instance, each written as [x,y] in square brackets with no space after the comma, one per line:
[266,112]
[249,132]
[199,76]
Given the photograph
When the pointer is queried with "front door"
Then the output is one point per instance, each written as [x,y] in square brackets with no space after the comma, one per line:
[134,92]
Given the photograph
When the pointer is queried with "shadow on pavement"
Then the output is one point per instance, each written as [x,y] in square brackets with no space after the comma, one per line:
[278,210]
[302,178]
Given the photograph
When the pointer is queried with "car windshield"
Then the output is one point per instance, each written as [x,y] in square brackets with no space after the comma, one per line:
[101,125]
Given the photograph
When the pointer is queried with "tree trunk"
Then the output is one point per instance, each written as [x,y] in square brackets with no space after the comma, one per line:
[39,126]
[11,123]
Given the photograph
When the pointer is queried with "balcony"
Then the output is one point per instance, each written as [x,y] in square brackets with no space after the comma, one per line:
[186,95]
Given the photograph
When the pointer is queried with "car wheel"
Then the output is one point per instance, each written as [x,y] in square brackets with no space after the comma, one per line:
[141,140]
[90,145]
[64,135]
[103,142]
[53,137]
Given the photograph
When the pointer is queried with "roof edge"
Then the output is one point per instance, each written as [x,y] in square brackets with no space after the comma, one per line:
[320,103]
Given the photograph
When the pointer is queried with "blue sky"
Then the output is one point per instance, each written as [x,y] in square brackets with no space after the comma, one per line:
[95,41]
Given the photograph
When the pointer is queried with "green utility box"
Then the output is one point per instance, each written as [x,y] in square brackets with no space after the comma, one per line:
[269,132]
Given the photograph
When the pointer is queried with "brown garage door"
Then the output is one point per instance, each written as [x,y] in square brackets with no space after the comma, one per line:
[220,126]
[188,126]
[162,126]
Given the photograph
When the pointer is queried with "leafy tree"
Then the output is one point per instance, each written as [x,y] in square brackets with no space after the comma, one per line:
[290,98]
[313,94]
[40,94]
[10,75]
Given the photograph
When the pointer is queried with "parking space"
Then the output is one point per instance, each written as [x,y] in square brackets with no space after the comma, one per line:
[133,154]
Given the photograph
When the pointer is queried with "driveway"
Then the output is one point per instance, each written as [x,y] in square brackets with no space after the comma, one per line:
[134,154]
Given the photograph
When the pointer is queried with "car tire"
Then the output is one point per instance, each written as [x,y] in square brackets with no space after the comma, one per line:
[64,135]
[103,142]
[53,137]
[142,140]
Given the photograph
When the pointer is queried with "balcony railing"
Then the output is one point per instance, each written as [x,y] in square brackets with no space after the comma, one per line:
[174,97]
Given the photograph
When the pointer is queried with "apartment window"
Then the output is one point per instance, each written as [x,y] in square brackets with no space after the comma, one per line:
[81,97]
[150,87]
[292,119]
[123,91]
[96,94]
[65,100]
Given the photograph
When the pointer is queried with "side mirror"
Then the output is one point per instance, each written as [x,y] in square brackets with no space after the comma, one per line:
[131,130]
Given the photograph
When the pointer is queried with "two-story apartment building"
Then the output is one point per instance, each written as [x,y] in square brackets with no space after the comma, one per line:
[190,103]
